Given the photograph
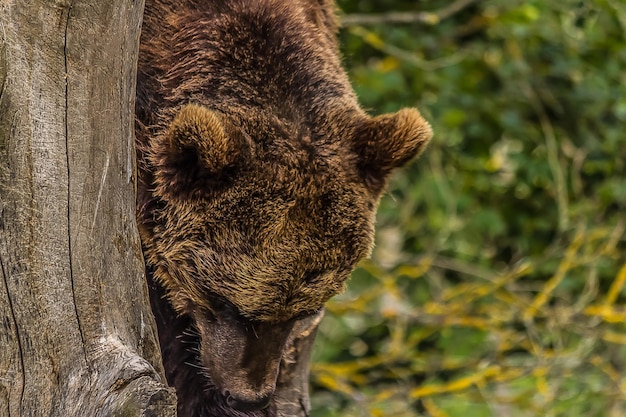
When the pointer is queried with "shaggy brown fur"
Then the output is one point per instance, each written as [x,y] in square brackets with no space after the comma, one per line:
[259,177]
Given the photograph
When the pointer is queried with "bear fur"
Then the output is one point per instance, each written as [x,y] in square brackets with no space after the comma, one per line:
[258,181]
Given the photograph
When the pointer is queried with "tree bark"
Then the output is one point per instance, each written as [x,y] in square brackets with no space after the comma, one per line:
[77,337]
[292,387]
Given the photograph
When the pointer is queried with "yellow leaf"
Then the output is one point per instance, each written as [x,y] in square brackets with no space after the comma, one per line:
[612,337]
[479,377]
[388,64]
[610,314]
[432,408]
[616,286]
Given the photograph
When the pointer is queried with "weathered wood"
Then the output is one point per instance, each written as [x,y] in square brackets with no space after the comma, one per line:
[292,387]
[77,337]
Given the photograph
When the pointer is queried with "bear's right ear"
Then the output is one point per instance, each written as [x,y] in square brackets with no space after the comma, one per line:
[200,150]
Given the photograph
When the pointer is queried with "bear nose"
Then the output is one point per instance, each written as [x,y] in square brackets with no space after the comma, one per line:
[247,405]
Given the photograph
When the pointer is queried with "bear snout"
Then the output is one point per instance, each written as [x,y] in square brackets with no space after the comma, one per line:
[243,360]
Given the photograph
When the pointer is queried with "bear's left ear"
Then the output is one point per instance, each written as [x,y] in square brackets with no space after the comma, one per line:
[388,141]
[200,150]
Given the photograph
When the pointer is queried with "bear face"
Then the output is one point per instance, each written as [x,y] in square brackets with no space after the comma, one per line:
[259,177]
[275,229]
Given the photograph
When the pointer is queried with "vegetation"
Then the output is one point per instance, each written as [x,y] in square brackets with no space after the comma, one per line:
[497,284]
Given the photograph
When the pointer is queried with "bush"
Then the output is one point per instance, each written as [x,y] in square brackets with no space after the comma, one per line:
[496,287]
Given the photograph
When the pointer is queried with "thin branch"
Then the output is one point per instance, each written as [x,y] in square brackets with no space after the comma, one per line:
[408,56]
[454,8]
[554,160]
[357,19]
[429,18]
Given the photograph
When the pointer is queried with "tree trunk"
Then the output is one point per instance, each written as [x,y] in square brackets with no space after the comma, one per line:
[77,337]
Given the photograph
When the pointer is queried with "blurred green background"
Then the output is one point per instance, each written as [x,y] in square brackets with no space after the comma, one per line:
[497,284]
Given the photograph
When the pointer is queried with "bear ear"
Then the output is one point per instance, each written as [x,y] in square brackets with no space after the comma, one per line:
[324,14]
[200,151]
[388,141]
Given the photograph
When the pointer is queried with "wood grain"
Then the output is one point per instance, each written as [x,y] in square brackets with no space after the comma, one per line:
[77,337]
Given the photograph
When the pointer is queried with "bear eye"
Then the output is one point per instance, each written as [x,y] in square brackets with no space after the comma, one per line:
[223,308]
[306,314]
[314,276]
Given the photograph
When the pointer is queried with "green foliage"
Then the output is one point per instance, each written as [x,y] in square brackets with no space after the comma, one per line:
[497,284]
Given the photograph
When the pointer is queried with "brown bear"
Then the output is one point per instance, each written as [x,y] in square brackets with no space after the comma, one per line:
[259,178]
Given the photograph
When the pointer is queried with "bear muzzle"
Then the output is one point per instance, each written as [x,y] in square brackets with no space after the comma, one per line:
[243,359]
